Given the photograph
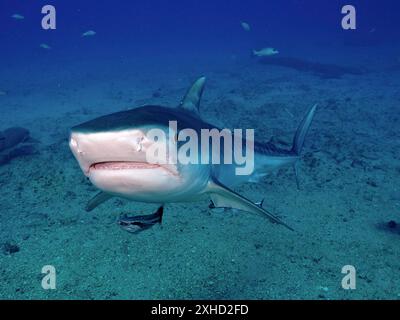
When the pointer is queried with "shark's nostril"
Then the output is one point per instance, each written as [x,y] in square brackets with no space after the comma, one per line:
[74,144]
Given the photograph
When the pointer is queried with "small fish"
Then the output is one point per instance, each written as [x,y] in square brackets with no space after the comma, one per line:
[136,224]
[265,52]
[3,93]
[45,46]
[89,33]
[245,26]
[18,16]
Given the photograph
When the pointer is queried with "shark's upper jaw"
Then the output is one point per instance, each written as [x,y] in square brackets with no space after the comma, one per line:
[90,149]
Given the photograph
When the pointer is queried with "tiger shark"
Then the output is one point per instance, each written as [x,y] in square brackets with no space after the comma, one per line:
[111,152]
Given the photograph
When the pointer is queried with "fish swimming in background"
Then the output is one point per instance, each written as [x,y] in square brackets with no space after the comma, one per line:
[136,224]
[45,46]
[3,93]
[89,33]
[11,137]
[16,142]
[18,16]
[245,26]
[265,52]
[111,151]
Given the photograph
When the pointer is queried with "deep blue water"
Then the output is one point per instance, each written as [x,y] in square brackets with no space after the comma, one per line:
[155,29]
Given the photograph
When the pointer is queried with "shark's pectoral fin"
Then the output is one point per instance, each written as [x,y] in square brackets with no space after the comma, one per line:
[212,205]
[222,196]
[191,100]
[97,200]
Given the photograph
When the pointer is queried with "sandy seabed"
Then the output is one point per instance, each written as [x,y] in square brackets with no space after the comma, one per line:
[349,191]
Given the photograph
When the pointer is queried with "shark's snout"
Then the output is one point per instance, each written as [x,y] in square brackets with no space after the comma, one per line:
[91,149]
[117,163]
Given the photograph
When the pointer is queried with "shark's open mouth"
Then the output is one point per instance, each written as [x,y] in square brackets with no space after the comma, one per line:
[123,165]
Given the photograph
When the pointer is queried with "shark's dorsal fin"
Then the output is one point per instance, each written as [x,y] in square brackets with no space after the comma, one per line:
[191,100]
[222,196]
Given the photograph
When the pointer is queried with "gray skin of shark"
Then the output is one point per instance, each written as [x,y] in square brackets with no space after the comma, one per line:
[111,152]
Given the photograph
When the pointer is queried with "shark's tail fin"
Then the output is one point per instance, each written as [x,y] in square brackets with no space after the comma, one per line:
[300,136]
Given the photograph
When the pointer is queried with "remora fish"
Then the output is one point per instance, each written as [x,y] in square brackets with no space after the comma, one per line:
[111,151]
[138,223]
